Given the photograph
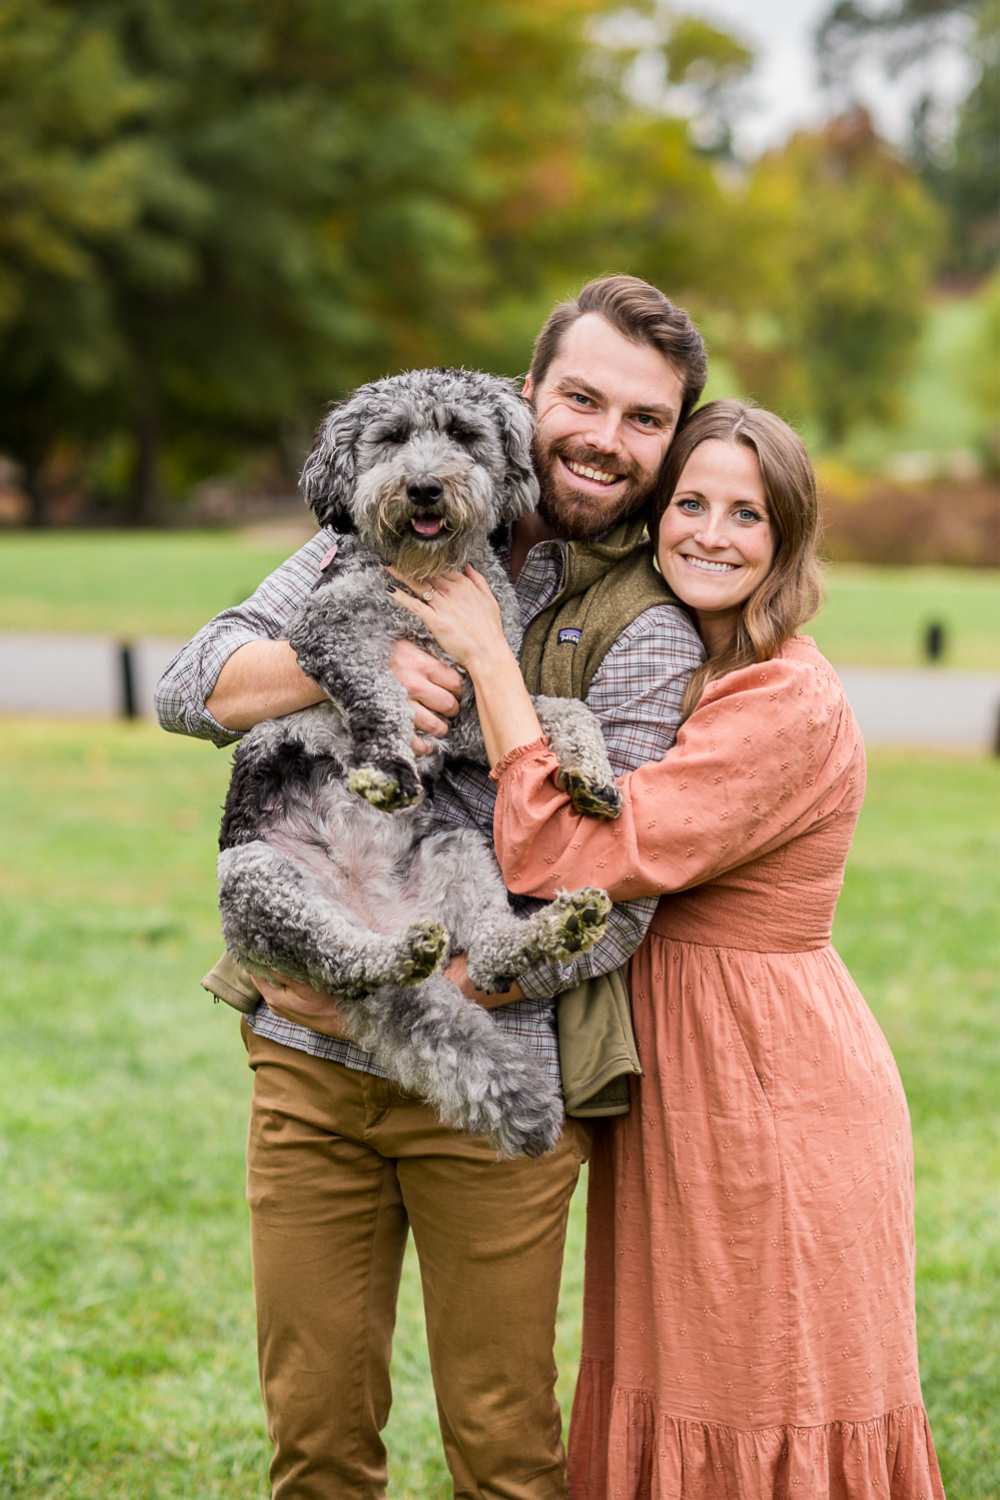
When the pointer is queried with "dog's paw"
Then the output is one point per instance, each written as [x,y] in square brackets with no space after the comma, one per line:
[593,801]
[579,920]
[382,790]
[424,948]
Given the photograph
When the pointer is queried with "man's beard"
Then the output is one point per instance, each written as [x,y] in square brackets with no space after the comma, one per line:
[579,515]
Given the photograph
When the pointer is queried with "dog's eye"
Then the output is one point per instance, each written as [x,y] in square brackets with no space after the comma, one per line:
[461,435]
[397,435]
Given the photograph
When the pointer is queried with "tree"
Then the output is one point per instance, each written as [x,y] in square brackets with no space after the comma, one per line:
[68,185]
[318,191]
[969,184]
[217,215]
[959,163]
[840,240]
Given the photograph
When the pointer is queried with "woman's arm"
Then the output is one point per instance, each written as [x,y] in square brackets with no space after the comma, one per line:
[464,619]
[769,753]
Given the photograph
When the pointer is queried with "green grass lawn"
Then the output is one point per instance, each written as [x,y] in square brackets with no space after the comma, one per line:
[879,616]
[129,583]
[169,583]
[125,1309]
[948,399]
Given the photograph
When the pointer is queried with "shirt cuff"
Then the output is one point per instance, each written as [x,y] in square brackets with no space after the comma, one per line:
[209,726]
[539,746]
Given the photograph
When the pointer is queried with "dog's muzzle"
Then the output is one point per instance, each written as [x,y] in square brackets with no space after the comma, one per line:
[425,494]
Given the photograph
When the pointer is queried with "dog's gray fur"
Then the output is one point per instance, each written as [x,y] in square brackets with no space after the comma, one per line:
[330,871]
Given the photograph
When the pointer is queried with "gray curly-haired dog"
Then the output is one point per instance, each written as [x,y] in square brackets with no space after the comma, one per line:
[331,872]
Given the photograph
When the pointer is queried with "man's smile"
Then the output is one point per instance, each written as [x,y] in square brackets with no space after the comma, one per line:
[596,476]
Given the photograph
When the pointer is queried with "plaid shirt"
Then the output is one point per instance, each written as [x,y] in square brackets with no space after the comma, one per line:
[636,694]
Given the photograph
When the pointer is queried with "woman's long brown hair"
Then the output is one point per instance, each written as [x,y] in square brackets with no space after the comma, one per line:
[792,592]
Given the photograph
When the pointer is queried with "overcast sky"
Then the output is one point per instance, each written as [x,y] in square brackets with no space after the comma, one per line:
[786,84]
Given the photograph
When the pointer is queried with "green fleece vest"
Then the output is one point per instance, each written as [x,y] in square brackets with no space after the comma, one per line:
[607,585]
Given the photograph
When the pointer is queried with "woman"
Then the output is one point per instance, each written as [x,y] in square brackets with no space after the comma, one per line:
[749,1305]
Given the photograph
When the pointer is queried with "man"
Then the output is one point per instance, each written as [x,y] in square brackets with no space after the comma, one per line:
[340,1163]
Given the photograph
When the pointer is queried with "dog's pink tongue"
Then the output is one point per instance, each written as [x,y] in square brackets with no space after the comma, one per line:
[426,525]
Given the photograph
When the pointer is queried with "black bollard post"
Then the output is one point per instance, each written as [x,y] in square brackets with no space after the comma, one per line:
[934,641]
[130,709]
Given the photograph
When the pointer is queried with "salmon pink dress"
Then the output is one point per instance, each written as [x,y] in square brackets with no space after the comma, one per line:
[749,1326]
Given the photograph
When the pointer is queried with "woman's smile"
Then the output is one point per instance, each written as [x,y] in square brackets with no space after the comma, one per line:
[705,564]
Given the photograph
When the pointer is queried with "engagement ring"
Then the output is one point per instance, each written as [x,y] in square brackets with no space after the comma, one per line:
[428,596]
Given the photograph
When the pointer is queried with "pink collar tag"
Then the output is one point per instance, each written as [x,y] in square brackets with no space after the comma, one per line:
[328,557]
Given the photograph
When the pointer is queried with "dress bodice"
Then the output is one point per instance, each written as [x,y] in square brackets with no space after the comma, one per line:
[782,902]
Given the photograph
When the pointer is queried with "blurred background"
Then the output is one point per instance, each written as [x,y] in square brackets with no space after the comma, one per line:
[217,217]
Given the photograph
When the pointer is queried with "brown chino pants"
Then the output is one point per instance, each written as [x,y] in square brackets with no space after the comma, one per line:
[339,1166]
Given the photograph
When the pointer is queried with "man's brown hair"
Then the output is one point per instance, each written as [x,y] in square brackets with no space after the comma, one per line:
[643,315]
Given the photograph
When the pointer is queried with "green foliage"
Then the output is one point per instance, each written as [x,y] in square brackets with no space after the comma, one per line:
[960,166]
[69,184]
[125,1302]
[843,238]
[215,217]
[318,192]
[676,59]
[948,400]
[66,175]
[968,185]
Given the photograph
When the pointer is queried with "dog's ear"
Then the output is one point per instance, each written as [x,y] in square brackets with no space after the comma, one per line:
[330,471]
[519,492]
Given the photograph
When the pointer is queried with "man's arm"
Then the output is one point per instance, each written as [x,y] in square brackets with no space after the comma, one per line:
[261,680]
[237,670]
[190,681]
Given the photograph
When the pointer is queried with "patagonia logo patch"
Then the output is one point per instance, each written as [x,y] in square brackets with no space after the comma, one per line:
[570,636]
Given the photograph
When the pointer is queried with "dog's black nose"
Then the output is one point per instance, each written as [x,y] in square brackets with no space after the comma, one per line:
[424,491]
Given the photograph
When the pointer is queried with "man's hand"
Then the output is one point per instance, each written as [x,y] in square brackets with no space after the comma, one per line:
[321,1012]
[301,1003]
[432,687]
[458,972]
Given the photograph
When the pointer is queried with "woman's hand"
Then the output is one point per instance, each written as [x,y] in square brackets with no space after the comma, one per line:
[301,1003]
[464,618]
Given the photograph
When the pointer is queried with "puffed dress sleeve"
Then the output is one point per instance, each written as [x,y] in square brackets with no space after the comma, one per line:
[772,752]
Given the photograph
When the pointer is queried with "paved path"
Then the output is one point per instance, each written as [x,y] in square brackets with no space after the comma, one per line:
[73,674]
[925,706]
[78,674]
